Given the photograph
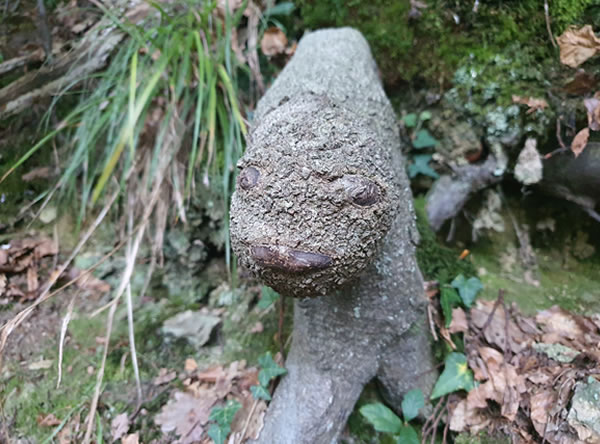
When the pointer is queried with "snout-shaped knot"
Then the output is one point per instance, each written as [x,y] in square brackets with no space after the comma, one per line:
[289,260]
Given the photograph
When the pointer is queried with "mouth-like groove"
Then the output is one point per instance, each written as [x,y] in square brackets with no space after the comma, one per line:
[288,260]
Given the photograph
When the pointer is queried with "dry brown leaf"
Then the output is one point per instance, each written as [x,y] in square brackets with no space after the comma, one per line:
[211,374]
[190,365]
[48,420]
[464,418]
[580,141]
[592,105]
[495,331]
[445,334]
[533,103]
[577,45]
[186,415]
[119,426]
[477,398]
[539,377]
[37,173]
[493,358]
[164,376]
[2,283]
[274,42]
[581,84]
[541,403]
[32,279]
[45,247]
[459,321]
[133,438]
[559,321]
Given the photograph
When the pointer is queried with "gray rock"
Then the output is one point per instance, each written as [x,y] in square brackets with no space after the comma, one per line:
[193,326]
[584,415]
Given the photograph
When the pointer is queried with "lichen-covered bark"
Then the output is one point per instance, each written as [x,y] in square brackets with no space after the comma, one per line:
[323,208]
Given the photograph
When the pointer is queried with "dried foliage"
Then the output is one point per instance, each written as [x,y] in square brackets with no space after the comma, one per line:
[189,412]
[578,45]
[27,266]
[527,369]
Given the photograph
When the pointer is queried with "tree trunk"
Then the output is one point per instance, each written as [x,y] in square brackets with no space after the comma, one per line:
[323,212]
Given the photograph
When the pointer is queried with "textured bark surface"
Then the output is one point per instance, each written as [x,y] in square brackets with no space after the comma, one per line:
[323,208]
[449,194]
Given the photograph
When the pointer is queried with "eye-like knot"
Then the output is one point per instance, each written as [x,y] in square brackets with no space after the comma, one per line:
[361,191]
[248,178]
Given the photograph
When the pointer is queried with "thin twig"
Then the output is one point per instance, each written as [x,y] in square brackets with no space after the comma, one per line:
[563,148]
[63,334]
[499,301]
[435,425]
[447,426]
[428,423]
[548,28]
[134,360]
[247,423]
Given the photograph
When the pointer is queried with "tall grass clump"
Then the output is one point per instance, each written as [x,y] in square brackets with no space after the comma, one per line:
[168,95]
[163,118]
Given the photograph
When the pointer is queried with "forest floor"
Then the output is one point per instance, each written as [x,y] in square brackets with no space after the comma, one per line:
[203,332]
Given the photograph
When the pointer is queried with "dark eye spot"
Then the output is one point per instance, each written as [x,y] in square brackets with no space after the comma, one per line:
[249,178]
[361,191]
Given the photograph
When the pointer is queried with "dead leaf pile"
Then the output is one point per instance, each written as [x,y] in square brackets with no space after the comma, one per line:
[186,414]
[26,264]
[20,264]
[528,370]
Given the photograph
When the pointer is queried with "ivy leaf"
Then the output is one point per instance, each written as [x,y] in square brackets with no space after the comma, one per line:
[218,433]
[382,418]
[424,116]
[456,376]
[270,369]
[407,435]
[260,392]
[267,298]
[410,120]
[468,288]
[448,300]
[224,415]
[412,402]
[424,139]
[420,165]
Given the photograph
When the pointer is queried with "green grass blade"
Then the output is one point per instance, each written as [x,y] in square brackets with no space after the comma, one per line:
[232,98]
[129,128]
